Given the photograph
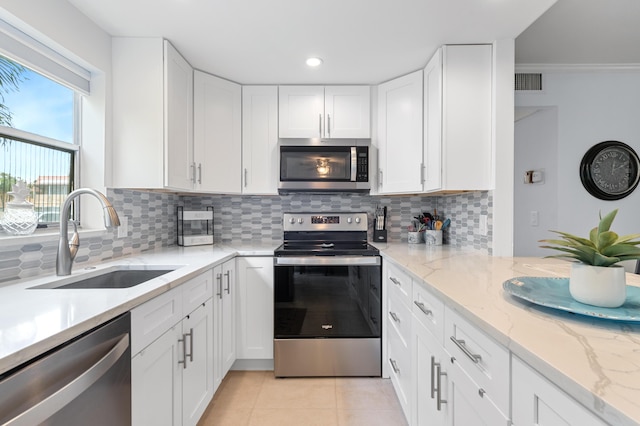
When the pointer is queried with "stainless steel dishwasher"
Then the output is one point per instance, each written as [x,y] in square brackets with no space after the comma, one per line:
[85,381]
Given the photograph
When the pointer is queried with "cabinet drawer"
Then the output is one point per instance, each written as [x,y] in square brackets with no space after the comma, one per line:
[482,359]
[196,291]
[153,318]
[428,310]
[399,283]
[399,320]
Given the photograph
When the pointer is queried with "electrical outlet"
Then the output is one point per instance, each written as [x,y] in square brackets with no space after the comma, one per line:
[483,227]
[533,219]
[123,229]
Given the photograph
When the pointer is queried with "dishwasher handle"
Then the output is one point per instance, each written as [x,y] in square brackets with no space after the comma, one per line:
[62,397]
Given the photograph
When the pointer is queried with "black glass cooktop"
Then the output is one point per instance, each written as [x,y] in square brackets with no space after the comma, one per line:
[325,248]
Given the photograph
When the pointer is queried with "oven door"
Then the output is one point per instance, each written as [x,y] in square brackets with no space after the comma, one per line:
[327,296]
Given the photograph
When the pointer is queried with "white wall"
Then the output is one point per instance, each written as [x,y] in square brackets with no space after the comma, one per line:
[591,107]
[536,146]
[59,25]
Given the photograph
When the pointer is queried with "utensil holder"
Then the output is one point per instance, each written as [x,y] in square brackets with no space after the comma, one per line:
[415,237]
[433,237]
[380,235]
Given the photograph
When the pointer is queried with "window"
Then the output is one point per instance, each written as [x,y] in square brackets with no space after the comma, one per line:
[37,138]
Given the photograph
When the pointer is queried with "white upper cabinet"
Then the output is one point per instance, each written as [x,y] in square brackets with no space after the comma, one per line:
[324,112]
[260,140]
[400,135]
[217,134]
[457,119]
[178,120]
[347,111]
[152,115]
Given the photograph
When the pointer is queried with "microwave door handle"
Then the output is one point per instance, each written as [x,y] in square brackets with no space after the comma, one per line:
[354,163]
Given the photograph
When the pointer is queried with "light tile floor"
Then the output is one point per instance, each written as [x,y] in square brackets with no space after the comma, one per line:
[257,398]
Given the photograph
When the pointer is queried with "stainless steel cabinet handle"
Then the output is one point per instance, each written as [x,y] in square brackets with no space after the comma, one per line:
[40,412]
[219,279]
[394,365]
[460,344]
[320,125]
[200,173]
[193,172]
[439,400]
[245,177]
[394,316]
[433,377]
[328,125]
[184,351]
[395,281]
[423,308]
[227,274]
[380,178]
[190,354]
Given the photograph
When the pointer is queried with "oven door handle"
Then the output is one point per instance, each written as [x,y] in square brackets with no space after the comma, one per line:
[327,260]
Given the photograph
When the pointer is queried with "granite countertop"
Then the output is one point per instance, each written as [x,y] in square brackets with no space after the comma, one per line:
[32,321]
[594,360]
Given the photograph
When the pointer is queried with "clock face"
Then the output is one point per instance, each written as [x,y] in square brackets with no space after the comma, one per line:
[610,170]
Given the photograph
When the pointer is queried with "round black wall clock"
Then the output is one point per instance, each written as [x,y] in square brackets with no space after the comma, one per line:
[610,170]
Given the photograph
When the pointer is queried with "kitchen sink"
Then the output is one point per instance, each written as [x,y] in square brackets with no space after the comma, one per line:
[115,277]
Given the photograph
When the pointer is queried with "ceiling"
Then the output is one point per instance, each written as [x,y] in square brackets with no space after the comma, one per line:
[360,41]
[583,32]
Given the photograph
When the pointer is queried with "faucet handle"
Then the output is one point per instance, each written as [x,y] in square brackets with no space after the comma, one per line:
[74,242]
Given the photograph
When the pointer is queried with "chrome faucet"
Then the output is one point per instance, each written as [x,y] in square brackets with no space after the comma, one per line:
[67,250]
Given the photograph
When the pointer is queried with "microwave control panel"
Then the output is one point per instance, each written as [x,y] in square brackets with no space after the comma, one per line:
[362,172]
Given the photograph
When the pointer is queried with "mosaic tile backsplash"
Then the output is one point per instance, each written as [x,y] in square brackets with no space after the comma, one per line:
[152,223]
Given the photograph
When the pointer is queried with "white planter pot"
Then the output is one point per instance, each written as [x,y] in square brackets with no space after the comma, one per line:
[597,285]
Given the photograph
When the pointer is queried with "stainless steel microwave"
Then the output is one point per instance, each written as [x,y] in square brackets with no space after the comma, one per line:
[324,165]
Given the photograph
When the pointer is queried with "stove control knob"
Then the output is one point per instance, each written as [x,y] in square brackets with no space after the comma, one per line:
[357,220]
[292,221]
[300,220]
[348,220]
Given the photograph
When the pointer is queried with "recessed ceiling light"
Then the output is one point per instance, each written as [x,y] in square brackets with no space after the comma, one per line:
[314,62]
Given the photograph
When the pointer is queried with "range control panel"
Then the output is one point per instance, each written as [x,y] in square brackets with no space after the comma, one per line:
[325,221]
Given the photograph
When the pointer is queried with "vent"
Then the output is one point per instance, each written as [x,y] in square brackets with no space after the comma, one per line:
[528,81]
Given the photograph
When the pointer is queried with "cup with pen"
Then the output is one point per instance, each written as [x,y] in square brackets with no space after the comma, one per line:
[433,229]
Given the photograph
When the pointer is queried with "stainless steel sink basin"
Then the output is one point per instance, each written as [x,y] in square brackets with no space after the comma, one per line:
[116,277]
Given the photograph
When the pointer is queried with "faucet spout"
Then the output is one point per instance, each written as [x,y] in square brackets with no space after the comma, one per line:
[66,253]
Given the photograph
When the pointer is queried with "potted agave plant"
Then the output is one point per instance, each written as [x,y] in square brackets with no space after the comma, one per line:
[596,278]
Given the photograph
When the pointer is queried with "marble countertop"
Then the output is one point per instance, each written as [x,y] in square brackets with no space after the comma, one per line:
[32,321]
[596,361]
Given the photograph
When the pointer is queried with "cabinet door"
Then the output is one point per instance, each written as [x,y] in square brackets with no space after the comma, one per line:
[429,365]
[197,377]
[301,110]
[433,123]
[260,160]
[178,120]
[255,307]
[347,111]
[466,119]
[400,135]
[156,379]
[216,309]
[536,401]
[228,316]
[217,134]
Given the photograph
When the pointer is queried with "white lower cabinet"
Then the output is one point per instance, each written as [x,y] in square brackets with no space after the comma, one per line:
[536,401]
[224,320]
[255,307]
[172,377]
[430,404]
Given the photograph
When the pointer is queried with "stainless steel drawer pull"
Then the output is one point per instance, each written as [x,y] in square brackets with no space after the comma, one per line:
[227,274]
[394,365]
[394,316]
[433,376]
[460,344]
[200,173]
[395,281]
[423,308]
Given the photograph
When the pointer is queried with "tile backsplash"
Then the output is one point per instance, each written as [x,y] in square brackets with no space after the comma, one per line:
[152,223]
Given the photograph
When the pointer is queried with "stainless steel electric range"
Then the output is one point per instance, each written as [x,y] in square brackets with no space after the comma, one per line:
[327,315]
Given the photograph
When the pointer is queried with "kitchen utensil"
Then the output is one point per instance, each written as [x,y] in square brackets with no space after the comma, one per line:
[446,223]
[438,225]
